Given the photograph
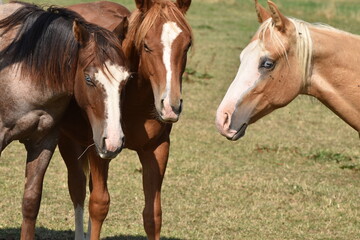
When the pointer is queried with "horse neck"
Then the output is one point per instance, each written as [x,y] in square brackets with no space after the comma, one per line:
[335,79]
[138,90]
[132,54]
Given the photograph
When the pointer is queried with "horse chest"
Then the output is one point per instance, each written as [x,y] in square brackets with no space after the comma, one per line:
[141,133]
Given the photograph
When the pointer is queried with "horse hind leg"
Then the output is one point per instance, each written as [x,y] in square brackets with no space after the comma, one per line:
[70,151]
[38,158]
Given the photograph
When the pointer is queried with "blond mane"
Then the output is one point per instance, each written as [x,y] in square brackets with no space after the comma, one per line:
[304,44]
[141,23]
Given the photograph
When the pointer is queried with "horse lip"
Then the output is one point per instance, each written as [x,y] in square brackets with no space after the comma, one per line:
[240,133]
[109,154]
[168,120]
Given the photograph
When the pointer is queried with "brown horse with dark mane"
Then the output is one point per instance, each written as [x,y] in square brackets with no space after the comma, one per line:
[49,58]
[156,45]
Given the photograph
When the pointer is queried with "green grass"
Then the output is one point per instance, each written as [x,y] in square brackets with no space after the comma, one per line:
[295,175]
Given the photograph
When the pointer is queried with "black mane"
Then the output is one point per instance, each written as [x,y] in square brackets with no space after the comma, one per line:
[45,44]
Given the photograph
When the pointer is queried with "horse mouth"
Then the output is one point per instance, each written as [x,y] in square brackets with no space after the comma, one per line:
[169,120]
[240,133]
[104,154]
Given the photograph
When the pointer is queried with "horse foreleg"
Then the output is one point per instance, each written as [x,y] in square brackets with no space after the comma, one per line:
[153,166]
[38,158]
[99,197]
[71,151]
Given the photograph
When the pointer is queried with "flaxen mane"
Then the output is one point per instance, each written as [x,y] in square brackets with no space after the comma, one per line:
[304,44]
[46,48]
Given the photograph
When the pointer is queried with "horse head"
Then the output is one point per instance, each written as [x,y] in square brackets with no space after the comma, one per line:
[274,69]
[100,78]
[162,38]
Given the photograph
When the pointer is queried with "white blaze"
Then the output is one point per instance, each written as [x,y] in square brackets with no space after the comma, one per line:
[246,77]
[111,82]
[169,33]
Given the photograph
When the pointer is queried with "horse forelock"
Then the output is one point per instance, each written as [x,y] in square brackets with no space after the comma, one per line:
[140,23]
[105,47]
[304,44]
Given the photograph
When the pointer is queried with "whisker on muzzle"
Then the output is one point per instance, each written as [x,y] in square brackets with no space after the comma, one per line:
[82,154]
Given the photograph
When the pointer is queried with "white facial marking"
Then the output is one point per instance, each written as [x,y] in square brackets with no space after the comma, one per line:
[247,75]
[169,33]
[111,82]
[79,224]
[246,79]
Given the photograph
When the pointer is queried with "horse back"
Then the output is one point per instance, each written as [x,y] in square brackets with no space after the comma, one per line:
[5,11]
[103,13]
[8,9]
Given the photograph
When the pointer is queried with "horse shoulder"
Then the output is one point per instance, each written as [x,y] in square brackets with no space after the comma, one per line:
[27,110]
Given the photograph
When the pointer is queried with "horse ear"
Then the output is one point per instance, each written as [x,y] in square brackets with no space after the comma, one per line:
[121,29]
[144,5]
[80,33]
[279,20]
[262,14]
[183,5]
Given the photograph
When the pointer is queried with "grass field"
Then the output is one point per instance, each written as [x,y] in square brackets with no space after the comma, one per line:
[295,175]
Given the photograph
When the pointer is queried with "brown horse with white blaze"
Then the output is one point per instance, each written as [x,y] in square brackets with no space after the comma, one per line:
[49,58]
[288,57]
[156,46]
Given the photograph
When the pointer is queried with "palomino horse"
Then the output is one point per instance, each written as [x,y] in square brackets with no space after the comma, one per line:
[48,58]
[288,57]
[156,45]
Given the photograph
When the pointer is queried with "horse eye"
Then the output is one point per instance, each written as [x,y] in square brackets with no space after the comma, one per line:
[267,64]
[89,80]
[147,49]
[188,47]
[132,76]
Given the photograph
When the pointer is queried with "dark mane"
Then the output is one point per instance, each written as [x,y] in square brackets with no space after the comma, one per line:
[46,48]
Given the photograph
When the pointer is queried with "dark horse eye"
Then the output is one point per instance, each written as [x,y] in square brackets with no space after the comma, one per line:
[267,64]
[89,81]
[147,49]
[132,76]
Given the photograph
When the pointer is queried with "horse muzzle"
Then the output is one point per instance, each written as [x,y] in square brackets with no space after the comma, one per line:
[107,151]
[239,133]
[226,127]
[170,113]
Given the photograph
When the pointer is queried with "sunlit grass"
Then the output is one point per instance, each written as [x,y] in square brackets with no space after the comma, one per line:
[295,175]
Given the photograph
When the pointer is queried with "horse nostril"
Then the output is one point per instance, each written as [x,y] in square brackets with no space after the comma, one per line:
[226,120]
[162,103]
[180,106]
[103,143]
